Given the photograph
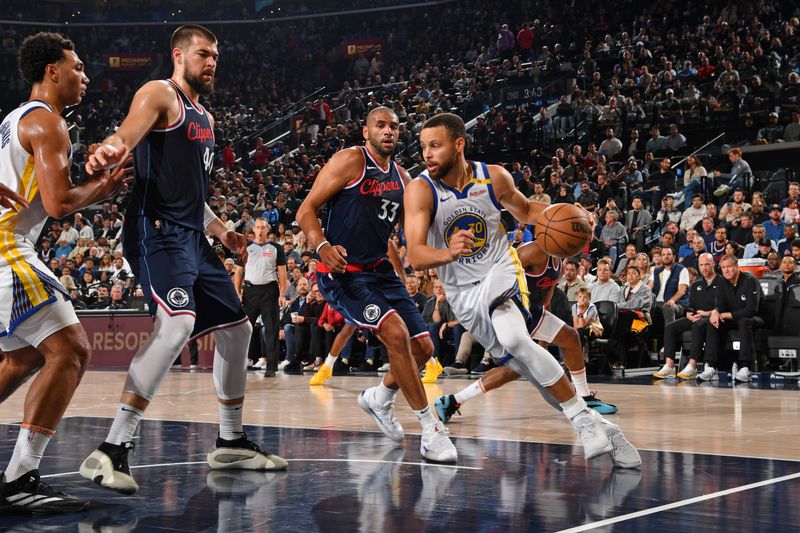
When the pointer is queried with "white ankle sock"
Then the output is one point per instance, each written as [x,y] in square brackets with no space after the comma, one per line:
[579,380]
[470,392]
[230,421]
[330,360]
[573,407]
[425,417]
[125,423]
[28,451]
[384,394]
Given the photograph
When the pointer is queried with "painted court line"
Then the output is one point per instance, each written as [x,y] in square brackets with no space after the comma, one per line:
[310,460]
[386,462]
[157,465]
[681,503]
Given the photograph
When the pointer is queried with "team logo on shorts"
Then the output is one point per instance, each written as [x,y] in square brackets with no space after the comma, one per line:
[178,297]
[372,312]
[471,222]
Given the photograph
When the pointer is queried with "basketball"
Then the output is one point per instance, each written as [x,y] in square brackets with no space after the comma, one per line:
[563,230]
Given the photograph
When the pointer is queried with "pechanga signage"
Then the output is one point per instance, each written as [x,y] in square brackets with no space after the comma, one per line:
[129,61]
[368,47]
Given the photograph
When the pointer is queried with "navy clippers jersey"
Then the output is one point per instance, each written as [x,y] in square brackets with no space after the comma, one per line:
[539,284]
[173,167]
[362,215]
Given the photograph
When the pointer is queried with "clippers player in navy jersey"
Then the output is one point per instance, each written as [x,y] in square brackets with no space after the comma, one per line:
[189,289]
[363,189]
[542,273]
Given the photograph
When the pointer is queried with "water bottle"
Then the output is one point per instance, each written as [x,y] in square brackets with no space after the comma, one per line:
[734,370]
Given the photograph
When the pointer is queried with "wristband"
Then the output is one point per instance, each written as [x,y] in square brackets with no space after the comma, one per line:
[319,246]
[208,216]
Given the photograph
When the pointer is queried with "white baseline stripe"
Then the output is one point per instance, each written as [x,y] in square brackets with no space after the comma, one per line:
[157,465]
[681,503]
[381,461]
[160,465]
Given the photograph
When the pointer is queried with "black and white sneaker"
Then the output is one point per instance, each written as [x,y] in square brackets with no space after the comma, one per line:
[242,454]
[28,494]
[456,369]
[107,466]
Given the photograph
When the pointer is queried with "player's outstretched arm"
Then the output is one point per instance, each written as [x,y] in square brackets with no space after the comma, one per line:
[418,209]
[46,135]
[512,199]
[345,166]
[151,104]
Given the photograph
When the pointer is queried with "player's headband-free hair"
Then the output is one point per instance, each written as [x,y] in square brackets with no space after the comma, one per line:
[183,35]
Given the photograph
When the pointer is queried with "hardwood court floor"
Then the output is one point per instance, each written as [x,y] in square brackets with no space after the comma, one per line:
[710,419]
[713,459]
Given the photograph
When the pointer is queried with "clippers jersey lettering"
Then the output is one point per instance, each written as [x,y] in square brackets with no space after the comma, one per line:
[539,285]
[173,167]
[17,172]
[361,216]
[474,208]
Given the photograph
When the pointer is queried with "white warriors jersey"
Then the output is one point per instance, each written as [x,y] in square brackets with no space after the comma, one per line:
[25,283]
[476,209]
[17,173]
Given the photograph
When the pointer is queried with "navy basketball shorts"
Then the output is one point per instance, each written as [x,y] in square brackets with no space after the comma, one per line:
[180,273]
[366,299]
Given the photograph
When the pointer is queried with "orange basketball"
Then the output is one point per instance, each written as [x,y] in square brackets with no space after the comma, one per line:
[563,230]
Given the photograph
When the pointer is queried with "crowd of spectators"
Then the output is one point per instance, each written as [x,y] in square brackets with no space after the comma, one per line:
[613,83]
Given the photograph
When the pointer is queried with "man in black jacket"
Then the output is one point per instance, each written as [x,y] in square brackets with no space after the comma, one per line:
[702,300]
[736,307]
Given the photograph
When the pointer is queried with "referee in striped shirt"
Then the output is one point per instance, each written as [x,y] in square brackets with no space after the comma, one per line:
[265,283]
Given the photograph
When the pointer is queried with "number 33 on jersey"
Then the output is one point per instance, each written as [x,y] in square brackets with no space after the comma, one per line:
[361,216]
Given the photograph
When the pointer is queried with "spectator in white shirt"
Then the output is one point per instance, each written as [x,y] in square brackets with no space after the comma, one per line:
[611,146]
[69,234]
[604,288]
